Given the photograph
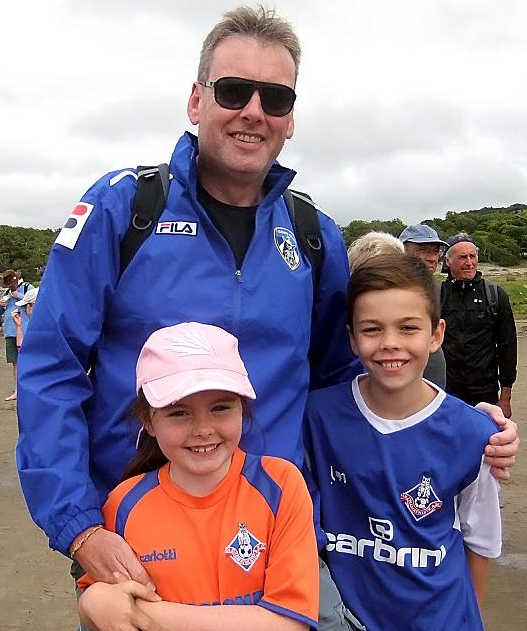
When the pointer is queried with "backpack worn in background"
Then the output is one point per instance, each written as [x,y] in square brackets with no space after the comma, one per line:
[150,200]
[491,292]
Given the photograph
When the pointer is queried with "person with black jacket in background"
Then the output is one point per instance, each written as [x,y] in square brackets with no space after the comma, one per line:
[480,344]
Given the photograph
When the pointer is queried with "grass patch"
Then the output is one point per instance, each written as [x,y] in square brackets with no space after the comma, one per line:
[516,288]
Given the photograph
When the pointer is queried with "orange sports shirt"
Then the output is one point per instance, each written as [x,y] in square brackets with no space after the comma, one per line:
[251,541]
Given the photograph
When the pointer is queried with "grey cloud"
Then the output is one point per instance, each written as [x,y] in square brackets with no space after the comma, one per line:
[133,117]
[365,131]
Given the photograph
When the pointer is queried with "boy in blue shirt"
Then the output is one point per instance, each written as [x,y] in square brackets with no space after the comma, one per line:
[410,511]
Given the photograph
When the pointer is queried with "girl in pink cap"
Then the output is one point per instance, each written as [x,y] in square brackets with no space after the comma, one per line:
[211,524]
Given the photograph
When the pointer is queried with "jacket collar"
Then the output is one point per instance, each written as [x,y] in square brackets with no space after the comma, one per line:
[461,284]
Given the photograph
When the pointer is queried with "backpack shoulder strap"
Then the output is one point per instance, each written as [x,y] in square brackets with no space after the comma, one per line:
[150,200]
[303,214]
[491,291]
[440,292]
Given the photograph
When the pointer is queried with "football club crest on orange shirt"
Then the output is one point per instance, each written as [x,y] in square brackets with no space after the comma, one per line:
[245,548]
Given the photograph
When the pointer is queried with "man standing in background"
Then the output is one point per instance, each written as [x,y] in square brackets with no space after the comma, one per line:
[423,242]
[480,342]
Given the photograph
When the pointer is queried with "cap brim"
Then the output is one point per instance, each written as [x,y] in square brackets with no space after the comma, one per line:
[426,241]
[166,390]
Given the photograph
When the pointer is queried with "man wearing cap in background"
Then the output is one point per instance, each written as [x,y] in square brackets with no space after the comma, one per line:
[423,242]
[480,343]
[15,290]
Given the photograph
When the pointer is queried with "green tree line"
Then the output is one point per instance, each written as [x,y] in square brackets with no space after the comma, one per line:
[25,249]
[500,233]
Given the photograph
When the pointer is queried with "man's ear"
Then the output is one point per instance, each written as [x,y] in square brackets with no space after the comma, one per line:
[290,126]
[437,336]
[194,103]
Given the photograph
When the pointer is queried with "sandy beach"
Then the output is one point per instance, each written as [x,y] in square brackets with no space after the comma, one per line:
[36,591]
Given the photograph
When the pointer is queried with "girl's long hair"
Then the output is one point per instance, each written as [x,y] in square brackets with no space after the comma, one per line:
[149,456]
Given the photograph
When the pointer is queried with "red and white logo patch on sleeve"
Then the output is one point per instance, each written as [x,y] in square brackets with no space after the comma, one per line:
[74,224]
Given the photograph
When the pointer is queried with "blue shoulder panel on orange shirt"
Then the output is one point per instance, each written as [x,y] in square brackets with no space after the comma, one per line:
[146,484]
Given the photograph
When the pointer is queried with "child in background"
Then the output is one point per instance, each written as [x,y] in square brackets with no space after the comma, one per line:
[211,524]
[23,313]
[15,288]
[410,511]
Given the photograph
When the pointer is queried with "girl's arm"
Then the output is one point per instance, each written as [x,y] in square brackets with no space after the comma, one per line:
[177,617]
[112,607]
[132,606]
[479,571]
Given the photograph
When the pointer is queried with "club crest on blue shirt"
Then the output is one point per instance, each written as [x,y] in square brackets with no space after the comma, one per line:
[421,500]
[245,548]
[286,244]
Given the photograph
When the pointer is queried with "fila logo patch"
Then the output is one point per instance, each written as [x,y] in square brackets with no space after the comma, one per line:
[189,228]
[72,229]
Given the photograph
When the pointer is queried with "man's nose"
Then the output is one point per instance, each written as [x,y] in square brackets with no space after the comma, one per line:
[254,109]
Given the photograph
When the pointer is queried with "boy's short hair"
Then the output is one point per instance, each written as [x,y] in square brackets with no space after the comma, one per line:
[393,271]
[371,244]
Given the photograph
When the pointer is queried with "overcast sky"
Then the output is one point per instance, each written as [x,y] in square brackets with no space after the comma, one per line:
[405,108]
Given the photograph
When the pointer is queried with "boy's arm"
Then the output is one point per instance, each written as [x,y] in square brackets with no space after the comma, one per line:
[479,571]
[480,521]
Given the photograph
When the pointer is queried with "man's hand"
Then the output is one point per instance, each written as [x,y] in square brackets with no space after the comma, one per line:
[505,402]
[105,607]
[105,553]
[503,446]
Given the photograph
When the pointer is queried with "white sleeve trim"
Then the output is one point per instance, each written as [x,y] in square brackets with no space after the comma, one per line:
[478,508]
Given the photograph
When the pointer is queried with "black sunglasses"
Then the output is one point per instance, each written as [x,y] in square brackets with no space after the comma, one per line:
[233,93]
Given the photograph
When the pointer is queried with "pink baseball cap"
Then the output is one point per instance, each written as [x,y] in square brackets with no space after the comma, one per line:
[190,357]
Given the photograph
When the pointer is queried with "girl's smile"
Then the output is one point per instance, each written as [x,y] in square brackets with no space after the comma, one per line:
[199,434]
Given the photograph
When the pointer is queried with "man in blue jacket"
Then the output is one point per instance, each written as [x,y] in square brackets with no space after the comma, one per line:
[228,269]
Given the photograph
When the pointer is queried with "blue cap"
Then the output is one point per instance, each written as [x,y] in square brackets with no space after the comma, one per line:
[420,233]
[462,237]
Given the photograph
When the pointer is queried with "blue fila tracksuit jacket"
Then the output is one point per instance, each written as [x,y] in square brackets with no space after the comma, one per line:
[76,436]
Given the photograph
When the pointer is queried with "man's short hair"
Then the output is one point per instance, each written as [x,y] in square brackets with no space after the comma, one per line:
[261,23]
[372,244]
[393,271]
[461,237]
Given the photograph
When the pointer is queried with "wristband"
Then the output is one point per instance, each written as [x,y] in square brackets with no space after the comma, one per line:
[82,541]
